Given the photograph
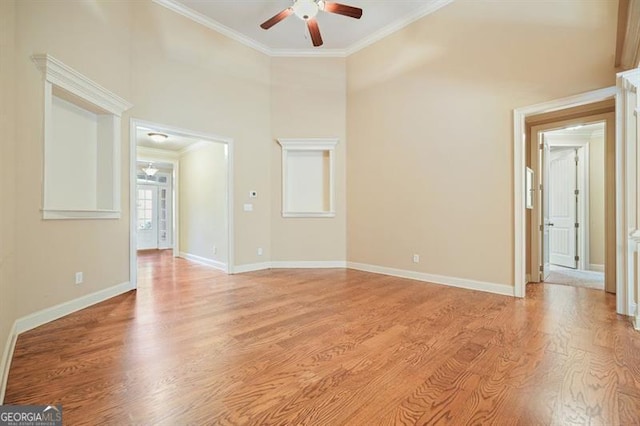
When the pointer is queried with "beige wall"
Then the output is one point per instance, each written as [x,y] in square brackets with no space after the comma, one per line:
[430,127]
[7,177]
[203,202]
[175,72]
[308,100]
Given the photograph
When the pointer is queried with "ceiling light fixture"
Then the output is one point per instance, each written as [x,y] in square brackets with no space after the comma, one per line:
[150,170]
[158,137]
[306,9]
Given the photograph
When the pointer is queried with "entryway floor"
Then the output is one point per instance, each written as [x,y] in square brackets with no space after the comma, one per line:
[576,277]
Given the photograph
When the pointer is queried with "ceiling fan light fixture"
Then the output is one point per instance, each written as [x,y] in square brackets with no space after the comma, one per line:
[306,9]
[158,137]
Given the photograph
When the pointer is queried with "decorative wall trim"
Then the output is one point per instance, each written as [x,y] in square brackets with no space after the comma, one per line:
[145,151]
[205,261]
[321,264]
[65,77]
[596,267]
[5,362]
[430,7]
[44,316]
[502,289]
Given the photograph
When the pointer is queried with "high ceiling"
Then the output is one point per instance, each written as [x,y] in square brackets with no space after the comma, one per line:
[241,19]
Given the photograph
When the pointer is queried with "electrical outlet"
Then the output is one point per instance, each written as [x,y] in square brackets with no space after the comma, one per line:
[416,258]
[259,251]
[79,277]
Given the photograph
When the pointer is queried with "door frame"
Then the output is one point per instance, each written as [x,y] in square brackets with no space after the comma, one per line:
[624,294]
[583,186]
[207,137]
[148,158]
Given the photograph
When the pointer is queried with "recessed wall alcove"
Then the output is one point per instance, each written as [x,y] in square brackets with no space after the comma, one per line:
[82,131]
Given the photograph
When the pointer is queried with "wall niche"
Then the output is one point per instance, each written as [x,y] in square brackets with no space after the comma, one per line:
[82,132]
[308,177]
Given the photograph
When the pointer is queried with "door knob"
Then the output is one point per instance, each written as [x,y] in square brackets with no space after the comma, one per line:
[550,224]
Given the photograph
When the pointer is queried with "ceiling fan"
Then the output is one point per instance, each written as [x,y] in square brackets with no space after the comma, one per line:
[307,11]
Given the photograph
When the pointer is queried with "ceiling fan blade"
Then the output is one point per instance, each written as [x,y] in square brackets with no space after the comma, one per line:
[343,9]
[277,18]
[314,30]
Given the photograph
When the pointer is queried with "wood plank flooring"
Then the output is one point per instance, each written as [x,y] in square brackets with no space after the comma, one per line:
[331,347]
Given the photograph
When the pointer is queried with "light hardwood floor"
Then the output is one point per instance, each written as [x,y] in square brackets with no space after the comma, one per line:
[331,347]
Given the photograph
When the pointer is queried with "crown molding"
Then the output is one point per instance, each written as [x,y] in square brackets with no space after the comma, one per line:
[428,8]
[210,23]
[65,77]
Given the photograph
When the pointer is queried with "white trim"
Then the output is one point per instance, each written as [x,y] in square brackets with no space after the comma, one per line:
[5,362]
[310,264]
[519,166]
[430,7]
[53,313]
[596,267]
[205,261]
[427,9]
[193,147]
[502,289]
[251,267]
[80,214]
[65,77]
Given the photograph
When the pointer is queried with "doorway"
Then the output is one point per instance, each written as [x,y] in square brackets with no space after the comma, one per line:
[572,212]
[181,195]
[570,221]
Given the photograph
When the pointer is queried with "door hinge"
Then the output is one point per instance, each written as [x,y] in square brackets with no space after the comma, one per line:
[576,160]
[540,187]
[541,268]
[541,228]
[576,258]
[577,224]
[541,146]
[577,191]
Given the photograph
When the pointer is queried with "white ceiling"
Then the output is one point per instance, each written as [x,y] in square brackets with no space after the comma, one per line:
[173,143]
[241,19]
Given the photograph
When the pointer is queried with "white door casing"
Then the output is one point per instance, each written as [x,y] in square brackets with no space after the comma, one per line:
[563,185]
[545,225]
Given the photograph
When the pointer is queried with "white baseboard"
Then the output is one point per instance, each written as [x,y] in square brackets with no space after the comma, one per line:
[44,316]
[528,278]
[502,289]
[205,261]
[596,267]
[303,264]
[53,313]
[309,264]
[5,362]
[250,267]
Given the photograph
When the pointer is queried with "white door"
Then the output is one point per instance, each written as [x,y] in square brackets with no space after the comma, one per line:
[563,203]
[545,225]
[147,204]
